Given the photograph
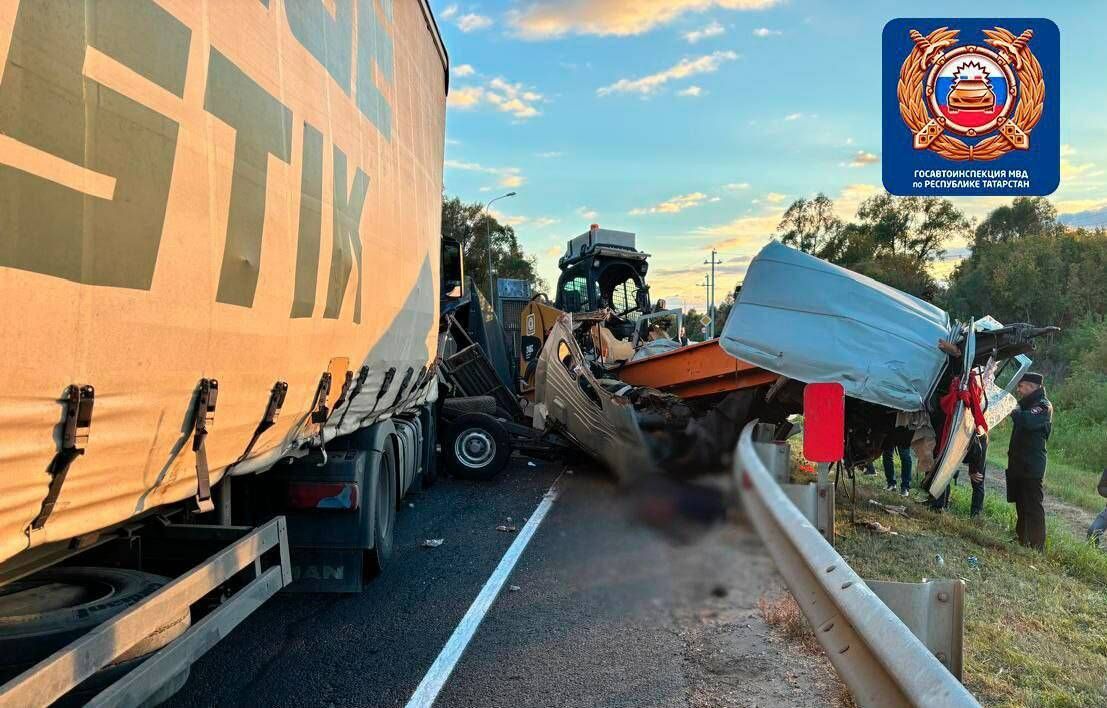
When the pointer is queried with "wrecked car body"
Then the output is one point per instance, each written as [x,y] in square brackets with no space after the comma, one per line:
[680,410]
[896,356]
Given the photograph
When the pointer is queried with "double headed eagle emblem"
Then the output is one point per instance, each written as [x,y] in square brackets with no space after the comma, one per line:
[934,130]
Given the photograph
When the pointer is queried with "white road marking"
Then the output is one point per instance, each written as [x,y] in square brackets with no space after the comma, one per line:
[443,666]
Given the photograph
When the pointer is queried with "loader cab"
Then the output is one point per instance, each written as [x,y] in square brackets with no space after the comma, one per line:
[602,268]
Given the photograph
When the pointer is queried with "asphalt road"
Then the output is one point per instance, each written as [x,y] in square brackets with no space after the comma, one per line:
[607,613]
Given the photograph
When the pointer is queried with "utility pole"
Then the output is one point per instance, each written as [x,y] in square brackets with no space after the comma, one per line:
[711,305]
[488,240]
[706,285]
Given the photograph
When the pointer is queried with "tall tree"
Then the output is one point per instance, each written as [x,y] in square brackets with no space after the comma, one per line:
[808,224]
[1026,216]
[471,226]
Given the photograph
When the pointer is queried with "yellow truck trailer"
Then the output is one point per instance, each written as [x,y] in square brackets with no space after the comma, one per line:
[219,253]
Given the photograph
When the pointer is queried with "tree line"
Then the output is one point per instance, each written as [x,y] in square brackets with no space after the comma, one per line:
[471,226]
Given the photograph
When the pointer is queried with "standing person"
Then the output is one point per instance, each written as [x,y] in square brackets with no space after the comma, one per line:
[904,466]
[977,460]
[1026,459]
[1095,531]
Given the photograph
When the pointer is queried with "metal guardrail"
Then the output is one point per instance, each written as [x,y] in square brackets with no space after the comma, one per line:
[881,660]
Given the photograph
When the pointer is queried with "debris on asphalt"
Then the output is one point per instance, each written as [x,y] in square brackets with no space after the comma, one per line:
[719,591]
[568,471]
[531,464]
[433,542]
[514,588]
[890,508]
[410,505]
[508,527]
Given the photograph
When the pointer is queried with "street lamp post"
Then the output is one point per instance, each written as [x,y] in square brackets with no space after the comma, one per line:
[488,239]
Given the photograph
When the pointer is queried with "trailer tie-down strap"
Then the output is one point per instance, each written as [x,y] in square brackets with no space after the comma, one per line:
[272,410]
[203,416]
[319,410]
[75,426]
[362,375]
[403,386]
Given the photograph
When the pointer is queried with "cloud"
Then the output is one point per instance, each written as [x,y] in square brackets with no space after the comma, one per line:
[673,205]
[465,97]
[765,32]
[712,30]
[472,22]
[514,98]
[587,213]
[863,159]
[692,91]
[548,19]
[553,252]
[736,186]
[647,85]
[1072,171]
[549,155]
[464,70]
[754,230]
[793,116]
[449,12]
[509,177]
[534,222]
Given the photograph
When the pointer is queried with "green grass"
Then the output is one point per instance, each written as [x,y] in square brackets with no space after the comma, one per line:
[1066,478]
[1035,625]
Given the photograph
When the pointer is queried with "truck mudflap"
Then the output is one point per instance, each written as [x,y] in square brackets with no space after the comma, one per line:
[256,563]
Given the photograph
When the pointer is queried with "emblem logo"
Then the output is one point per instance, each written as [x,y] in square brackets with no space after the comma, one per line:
[948,92]
[970,107]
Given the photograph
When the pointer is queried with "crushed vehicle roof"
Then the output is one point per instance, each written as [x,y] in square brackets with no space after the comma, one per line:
[809,320]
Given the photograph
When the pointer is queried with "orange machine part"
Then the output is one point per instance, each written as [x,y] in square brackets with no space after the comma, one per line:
[700,369]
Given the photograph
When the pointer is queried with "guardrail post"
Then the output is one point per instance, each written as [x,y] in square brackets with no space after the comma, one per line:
[933,611]
[815,501]
[824,490]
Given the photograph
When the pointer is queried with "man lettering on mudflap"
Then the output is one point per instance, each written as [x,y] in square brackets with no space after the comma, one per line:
[1026,459]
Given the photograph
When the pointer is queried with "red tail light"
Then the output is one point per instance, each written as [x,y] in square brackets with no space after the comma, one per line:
[341,496]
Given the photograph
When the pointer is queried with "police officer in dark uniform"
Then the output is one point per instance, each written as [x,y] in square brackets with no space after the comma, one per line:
[1026,459]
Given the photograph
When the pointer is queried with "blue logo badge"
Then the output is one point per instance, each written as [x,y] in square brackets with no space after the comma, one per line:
[971,107]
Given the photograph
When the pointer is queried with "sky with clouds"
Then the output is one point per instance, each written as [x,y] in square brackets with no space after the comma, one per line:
[694,123]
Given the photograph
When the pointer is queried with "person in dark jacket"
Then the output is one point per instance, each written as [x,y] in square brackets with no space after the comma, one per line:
[1095,531]
[1026,459]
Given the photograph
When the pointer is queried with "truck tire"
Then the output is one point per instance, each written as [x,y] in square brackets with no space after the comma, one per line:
[454,407]
[384,518]
[45,611]
[476,446]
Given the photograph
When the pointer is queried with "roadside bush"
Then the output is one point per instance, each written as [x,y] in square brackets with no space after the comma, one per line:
[1080,421]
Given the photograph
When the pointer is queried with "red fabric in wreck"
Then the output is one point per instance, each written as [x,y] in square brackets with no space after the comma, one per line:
[971,396]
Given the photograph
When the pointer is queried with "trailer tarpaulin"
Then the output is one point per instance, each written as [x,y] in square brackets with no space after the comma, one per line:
[809,320]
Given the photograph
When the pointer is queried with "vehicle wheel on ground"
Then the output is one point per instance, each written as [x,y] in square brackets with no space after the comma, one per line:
[476,446]
[384,520]
[45,611]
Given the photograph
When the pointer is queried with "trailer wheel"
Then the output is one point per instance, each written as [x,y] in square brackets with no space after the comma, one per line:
[477,446]
[384,520]
[45,611]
